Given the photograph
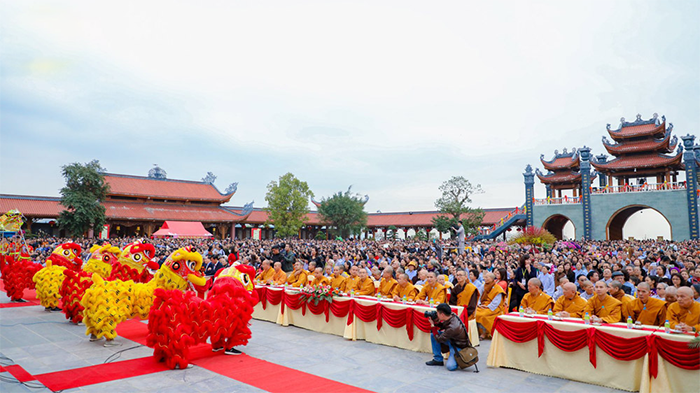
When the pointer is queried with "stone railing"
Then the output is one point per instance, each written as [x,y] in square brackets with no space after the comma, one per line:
[646,187]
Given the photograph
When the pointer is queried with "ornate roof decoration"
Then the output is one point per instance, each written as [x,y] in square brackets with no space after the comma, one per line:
[639,128]
[245,212]
[648,160]
[665,144]
[562,160]
[232,188]
[157,173]
[210,178]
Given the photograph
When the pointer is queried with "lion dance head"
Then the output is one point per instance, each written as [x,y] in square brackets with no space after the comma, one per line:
[66,255]
[184,265]
[139,256]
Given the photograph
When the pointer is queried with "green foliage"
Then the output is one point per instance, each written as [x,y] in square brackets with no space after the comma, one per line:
[391,232]
[453,206]
[82,196]
[421,235]
[343,213]
[320,235]
[287,204]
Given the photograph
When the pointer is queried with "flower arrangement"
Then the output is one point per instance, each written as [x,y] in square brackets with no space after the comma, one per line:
[535,236]
[318,293]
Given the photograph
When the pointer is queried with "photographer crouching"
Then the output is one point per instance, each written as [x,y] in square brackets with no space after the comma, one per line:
[448,335]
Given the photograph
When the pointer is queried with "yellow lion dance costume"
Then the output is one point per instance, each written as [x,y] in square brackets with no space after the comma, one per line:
[108,303]
[48,280]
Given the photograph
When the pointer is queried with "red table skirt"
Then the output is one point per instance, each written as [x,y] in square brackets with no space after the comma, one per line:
[626,349]
[408,317]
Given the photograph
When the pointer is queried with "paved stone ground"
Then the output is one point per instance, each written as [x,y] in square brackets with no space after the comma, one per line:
[42,342]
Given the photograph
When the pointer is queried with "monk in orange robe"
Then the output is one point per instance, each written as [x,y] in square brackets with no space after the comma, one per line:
[365,285]
[685,313]
[337,280]
[318,278]
[603,307]
[351,282]
[388,283]
[536,301]
[265,276]
[615,290]
[297,278]
[404,288]
[280,276]
[465,294]
[492,303]
[432,290]
[646,309]
[570,304]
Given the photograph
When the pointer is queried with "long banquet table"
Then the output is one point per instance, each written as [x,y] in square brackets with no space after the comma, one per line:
[355,318]
[644,360]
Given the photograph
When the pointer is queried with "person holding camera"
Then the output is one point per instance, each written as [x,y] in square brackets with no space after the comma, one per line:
[448,335]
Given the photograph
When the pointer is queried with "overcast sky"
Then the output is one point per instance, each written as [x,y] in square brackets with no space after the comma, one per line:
[392,98]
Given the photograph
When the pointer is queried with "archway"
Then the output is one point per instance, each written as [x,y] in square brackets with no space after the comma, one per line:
[640,222]
[560,226]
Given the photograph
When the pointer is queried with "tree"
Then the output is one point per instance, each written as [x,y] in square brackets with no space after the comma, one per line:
[344,213]
[391,232]
[287,204]
[453,206]
[82,197]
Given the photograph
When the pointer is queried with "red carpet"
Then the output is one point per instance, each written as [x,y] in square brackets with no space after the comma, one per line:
[100,373]
[243,368]
[29,294]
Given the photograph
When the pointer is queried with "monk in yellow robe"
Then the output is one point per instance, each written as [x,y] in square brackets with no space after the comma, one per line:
[432,290]
[603,307]
[297,278]
[265,276]
[365,285]
[536,301]
[465,294]
[646,309]
[615,290]
[404,288]
[280,276]
[319,278]
[570,304]
[351,282]
[685,313]
[492,303]
[337,280]
[388,283]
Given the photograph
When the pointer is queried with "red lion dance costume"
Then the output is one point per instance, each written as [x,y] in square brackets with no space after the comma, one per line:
[179,320]
[107,262]
[19,274]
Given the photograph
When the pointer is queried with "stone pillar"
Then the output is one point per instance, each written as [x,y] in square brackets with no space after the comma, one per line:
[585,154]
[602,178]
[548,187]
[529,177]
[691,177]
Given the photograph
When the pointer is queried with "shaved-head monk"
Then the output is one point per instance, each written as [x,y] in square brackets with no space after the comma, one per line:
[536,301]
[492,303]
[685,313]
[645,309]
[570,304]
[603,307]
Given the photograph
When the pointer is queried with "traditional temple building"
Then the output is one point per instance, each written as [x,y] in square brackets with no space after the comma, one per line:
[642,149]
[563,173]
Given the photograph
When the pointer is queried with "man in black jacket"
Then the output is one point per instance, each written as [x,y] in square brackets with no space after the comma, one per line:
[448,335]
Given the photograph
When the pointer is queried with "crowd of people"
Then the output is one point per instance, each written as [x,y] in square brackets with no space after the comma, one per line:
[570,279]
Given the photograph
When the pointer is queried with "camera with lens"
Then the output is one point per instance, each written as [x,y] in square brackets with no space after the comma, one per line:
[431,314]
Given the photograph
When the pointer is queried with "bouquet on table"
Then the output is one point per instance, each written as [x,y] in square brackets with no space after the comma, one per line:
[319,292]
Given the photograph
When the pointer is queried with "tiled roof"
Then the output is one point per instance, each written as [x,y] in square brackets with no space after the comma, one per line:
[626,132]
[164,211]
[571,161]
[648,145]
[31,206]
[560,178]
[144,187]
[650,160]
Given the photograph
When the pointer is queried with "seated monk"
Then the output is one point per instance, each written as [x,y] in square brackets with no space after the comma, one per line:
[319,279]
[685,313]
[602,307]
[536,301]
[388,283]
[265,276]
[615,290]
[351,282]
[646,309]
[404,288]
[570,304]
[312,268]
[337,280]
[465,294]
[670,295]
[365,285]
[297,277]
[492,303]
[431,290]
[280,277]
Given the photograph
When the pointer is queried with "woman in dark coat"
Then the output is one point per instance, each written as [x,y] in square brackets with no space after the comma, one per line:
[523,274]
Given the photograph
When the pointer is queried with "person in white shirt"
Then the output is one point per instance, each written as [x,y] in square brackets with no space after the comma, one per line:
[547,280]
[587,291]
